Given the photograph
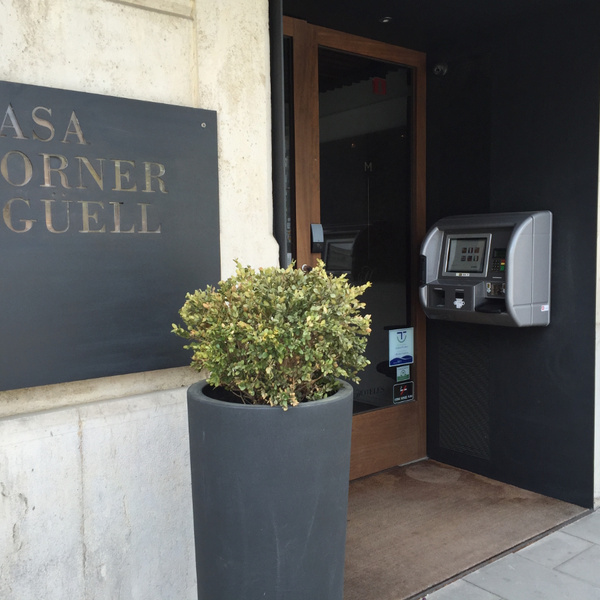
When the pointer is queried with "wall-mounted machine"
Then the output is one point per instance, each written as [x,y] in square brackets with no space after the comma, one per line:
[492,269]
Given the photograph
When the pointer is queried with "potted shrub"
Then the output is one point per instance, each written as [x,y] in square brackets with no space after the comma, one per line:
[270,430]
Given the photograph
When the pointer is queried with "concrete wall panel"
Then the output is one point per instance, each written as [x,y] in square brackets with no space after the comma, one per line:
[41,543]
[95,502]
[95,497]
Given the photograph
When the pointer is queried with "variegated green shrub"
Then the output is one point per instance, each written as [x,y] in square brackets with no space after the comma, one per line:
[277,336]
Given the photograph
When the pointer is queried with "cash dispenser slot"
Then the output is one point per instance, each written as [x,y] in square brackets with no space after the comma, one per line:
[438,297]
[492,307]
[491,269]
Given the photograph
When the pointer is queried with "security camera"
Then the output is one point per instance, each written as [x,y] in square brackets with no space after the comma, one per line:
[440,69]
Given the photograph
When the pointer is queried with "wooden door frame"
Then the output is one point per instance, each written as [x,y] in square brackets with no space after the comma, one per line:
[393,435]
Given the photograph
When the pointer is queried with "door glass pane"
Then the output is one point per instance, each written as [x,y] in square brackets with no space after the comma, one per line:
[365,197]
[290,208]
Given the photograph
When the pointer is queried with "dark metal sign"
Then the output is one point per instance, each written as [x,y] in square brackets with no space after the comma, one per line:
[108,216]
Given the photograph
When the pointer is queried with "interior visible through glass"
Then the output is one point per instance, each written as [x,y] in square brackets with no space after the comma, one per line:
[364,108]
[290,208]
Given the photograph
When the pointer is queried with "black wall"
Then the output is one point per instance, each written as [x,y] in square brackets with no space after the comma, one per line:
[513,125]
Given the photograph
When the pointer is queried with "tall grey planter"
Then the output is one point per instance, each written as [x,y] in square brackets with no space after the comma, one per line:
[270,497]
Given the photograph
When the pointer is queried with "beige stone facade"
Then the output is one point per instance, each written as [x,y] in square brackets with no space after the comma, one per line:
[95,497]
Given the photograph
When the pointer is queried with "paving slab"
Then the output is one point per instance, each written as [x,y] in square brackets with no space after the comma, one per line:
[584,566]
[555,549]
[517,578]
[462,590]
[587,528]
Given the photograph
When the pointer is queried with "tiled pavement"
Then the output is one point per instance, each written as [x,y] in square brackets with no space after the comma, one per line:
[564,565]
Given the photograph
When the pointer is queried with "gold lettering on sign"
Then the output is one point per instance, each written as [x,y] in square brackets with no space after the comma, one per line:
[27,168]
[58,171]
[73,128]
[43,122]
[48,170]
[120,176]
[86,217]
[117,219]
[144,227]
[6,213]
[49,225]
[98,177]
[150,176]
[14,124]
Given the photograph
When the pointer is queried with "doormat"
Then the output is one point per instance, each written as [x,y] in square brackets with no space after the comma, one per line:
[411,528]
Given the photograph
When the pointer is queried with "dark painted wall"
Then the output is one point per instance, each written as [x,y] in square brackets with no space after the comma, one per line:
[514,126]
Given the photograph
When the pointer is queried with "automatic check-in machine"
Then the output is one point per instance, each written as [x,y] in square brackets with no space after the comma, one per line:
[492,269]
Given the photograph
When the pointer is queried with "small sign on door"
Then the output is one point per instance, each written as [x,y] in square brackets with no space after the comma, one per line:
[403,373]
[401,347]
[403,392]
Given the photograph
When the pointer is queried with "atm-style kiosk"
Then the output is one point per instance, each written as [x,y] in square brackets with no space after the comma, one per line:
[492,269]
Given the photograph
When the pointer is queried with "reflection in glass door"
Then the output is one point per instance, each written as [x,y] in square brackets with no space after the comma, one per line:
[365,197]
[355,163]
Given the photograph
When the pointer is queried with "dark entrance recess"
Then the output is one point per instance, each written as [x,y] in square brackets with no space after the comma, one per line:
[512,124]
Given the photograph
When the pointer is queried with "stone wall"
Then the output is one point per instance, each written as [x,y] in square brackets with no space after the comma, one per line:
[95,497]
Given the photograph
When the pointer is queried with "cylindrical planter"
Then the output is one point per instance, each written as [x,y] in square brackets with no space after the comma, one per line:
[270,497]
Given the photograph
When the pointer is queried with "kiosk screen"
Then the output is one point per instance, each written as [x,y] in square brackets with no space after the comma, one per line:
[466,255]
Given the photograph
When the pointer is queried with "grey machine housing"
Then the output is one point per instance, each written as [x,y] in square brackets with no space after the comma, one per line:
[492,269]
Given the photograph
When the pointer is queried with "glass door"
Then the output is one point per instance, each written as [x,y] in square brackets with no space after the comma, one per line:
[365,175]
[356,160]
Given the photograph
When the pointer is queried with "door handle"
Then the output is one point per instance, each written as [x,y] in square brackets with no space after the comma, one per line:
[317,239]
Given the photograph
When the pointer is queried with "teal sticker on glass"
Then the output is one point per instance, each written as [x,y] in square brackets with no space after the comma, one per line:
[403,373]
[401,347]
